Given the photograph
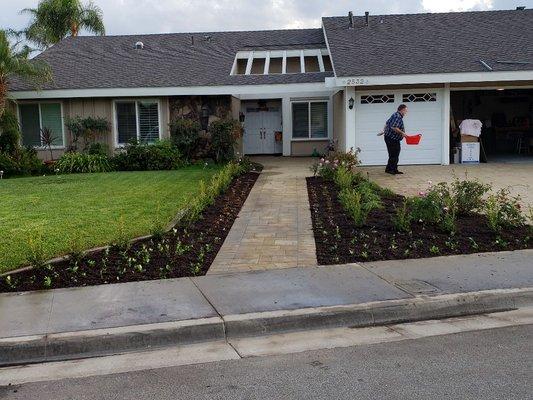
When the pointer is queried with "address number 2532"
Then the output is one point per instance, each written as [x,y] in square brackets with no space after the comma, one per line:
[357,81]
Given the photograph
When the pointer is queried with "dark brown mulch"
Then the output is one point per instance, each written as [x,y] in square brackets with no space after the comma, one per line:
[339,241]
[181,252]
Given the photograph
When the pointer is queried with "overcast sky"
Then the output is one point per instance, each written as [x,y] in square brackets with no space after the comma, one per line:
[155,16]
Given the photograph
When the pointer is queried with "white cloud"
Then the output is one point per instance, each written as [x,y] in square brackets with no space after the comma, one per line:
[148,16]
[456,5]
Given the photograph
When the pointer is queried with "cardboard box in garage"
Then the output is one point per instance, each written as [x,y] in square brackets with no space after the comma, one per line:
[469,139]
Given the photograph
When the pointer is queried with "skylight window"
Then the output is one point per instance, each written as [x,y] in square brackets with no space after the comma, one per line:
[281,62]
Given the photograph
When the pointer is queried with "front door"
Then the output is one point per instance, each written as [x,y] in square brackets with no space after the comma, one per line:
[260,127]
[253,132]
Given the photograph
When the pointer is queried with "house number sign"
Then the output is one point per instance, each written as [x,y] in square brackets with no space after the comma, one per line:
[357,81]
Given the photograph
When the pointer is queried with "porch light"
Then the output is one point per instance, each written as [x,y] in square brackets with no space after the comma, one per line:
[351,103]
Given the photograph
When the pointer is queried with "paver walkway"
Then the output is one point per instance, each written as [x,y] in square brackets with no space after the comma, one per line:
[517,177]
[274,228]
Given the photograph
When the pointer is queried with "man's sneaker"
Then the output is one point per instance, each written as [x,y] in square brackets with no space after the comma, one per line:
[398,173]
[390,172]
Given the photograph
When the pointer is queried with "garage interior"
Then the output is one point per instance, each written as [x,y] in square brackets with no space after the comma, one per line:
[507,118]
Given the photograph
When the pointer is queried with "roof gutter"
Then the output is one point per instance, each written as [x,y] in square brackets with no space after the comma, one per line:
[459,77]
[233,90]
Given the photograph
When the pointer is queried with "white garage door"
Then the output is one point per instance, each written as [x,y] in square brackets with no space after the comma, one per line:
[424,116]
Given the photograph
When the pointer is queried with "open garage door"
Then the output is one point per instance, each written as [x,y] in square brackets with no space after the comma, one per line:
[425,116]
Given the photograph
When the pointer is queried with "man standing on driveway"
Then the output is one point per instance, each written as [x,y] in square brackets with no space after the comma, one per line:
[394,132]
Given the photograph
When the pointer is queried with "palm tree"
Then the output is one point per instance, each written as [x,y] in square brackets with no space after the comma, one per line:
[54,20]
[14,61]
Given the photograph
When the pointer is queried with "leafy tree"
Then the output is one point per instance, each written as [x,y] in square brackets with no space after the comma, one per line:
[53,20]
[14,61]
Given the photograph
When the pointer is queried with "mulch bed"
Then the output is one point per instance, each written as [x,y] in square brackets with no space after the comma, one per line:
[339,241]
[179,253]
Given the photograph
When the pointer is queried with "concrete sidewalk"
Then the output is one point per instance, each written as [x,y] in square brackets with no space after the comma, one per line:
[210,307]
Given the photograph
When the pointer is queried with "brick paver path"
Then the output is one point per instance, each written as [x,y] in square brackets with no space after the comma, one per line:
[517,177]
[274,228]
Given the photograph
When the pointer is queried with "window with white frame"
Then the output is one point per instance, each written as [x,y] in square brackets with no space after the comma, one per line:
[137,120]
[310,120]
[37,117]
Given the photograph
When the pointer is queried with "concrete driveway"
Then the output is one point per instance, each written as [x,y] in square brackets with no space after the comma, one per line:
[517,177]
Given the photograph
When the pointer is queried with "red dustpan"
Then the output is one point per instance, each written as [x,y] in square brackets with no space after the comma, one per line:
[413,139]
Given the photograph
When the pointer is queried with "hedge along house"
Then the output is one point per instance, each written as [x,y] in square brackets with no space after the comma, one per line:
[293,90]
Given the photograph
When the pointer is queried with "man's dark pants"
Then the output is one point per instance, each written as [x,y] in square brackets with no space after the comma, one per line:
[393,147]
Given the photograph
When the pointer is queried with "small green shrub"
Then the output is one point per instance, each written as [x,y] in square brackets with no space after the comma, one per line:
[78,163]
[148,157]
[469,195]
[185,135]
[503,211]
[402,218]
[98,148]
[20,162]
[9,133]
[344,178]
[358,204]
[434,250]
[224,135]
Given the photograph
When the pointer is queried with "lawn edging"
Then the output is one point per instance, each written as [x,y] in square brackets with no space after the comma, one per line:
[101,342]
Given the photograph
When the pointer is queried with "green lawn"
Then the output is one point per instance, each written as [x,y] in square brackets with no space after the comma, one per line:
[87,210]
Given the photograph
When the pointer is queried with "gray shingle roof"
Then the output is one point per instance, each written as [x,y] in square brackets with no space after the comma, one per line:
[430,43]
[168,60]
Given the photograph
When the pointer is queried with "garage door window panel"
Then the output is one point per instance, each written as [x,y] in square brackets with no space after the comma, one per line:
[419,97]
[377,99]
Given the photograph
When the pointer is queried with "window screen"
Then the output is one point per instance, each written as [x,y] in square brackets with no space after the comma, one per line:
[319,120]
[30,124]
[126,122]
[51,119]
[300,120]
[148,122]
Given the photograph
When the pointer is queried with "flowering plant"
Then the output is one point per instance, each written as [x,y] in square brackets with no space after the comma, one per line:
[327,165]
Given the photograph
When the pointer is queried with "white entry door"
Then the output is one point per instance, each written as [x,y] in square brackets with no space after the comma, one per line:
[253,132]
[425,116]
[260,127]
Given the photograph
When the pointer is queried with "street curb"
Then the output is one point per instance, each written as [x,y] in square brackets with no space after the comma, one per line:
[377,313]
[100,342]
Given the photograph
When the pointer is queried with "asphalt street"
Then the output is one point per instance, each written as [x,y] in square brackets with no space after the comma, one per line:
[495,364]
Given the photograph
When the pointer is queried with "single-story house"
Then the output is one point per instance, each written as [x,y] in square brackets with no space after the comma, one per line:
[297,90]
